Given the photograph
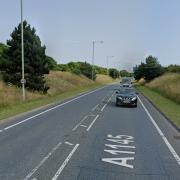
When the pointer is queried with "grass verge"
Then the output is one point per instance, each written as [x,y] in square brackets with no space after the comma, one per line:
[170,108]
[12,110]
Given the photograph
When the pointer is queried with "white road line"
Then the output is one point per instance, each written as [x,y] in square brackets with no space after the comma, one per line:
[59,171]
[103,107]
[42,162]
[173,152]
[1,130]
[85,117]
[68,143]
[107,103]
[60,105]
[83,125]
[92,123]
[93,109]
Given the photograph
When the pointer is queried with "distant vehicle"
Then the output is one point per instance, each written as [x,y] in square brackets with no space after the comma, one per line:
[126,82]
[126,96]
[126,85]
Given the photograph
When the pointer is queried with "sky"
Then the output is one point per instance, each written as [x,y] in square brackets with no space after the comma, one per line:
[131,29]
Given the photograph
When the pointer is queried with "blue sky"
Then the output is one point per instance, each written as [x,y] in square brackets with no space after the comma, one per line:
[130,29]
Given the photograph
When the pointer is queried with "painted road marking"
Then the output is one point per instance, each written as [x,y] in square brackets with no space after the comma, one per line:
[107,103]
[55,107]
[68,143]
[94,108]
[92,123]
[121,146]
[43,161]
[83,125]
[59,171]
[85,117]
[173,152]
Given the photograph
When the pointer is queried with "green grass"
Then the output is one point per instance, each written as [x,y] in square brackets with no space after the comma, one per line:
[170,108]
[11,110]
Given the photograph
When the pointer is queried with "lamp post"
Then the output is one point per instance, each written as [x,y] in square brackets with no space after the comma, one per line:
[22,52]
[94,42]
[107,61]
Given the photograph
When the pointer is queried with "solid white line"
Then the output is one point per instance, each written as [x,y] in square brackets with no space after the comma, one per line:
[25,120]
[85,117]
[59,171]
[42,162]
[173,152]
[68,143]
[92,123]
[95,107]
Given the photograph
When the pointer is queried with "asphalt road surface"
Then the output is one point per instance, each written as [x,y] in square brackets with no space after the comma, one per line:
[89,138]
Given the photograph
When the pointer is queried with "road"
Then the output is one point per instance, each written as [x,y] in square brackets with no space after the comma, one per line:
[89,138]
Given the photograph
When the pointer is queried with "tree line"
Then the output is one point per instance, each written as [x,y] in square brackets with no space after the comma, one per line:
[36,62]
[151,69]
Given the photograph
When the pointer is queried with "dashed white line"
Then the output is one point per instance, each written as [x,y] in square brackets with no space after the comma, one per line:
[59,171]
[92,123]
[68,143]
[55,107]
[173,152]
[85,117]
[83,125]
[42,162]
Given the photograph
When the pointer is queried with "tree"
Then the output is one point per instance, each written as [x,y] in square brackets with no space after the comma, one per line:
[36,63]
[74,67]
[148,70]
[86,69]
[114,73]
[52,64]
[125,73]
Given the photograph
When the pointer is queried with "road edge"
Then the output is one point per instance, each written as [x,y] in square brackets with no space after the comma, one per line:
[164,115]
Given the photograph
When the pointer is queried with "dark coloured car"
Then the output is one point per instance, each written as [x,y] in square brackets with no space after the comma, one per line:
[126,96]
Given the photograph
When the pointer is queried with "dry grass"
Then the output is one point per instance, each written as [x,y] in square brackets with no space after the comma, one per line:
[60,82]
[10,95]
[167,85]
[103,79]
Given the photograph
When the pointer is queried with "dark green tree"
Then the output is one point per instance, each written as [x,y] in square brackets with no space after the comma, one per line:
[114,73]
[148,70]
[36,63]
[86,69]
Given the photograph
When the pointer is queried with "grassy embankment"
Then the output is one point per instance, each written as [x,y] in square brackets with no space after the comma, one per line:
[62,85]
[164,92]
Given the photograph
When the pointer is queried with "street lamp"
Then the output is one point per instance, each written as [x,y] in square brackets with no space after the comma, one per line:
[94,42]
[22,52]
[107,61]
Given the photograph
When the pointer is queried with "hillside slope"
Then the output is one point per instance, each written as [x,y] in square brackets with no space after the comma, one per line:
[59,83]
[167,85]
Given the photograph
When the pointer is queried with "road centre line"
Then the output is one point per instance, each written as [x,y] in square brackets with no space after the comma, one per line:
[55,107]
[95,107]
[107,103]
[59,171]
[43,161]
[92,123]
[171,149]
[85,117]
